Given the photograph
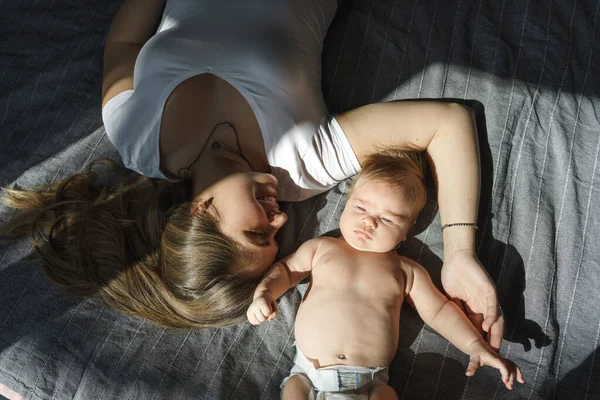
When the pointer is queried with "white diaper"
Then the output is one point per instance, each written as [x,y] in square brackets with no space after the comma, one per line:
[338,381]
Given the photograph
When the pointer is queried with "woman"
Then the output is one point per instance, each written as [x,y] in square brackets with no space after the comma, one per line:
[222,104]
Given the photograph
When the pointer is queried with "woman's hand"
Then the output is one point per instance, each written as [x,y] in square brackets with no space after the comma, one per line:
[467,283]
[481,354]
[263,308]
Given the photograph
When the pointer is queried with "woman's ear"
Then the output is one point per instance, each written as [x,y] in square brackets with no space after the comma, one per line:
[201,205]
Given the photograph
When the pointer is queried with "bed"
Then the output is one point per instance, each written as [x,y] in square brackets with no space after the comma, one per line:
[530,69]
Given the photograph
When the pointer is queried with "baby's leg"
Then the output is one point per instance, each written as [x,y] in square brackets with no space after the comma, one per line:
[383,392]
[296,388]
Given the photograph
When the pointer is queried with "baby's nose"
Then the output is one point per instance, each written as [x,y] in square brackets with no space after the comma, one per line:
[369,222]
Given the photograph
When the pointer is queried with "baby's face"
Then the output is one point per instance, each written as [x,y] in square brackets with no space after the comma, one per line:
[376,217]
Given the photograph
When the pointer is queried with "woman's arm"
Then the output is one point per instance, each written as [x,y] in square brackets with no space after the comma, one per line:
[133,25]
[447,132]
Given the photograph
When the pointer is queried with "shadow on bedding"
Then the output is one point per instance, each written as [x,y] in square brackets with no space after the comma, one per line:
[502,261]
[388,49]
[581,382]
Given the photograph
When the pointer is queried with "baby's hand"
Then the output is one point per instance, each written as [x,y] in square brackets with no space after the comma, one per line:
[263,308]
[482,354]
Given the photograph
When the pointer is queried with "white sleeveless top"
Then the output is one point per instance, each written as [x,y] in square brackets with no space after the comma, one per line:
[270,51]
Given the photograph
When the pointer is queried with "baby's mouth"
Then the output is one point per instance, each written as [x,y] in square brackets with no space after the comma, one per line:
[362,234]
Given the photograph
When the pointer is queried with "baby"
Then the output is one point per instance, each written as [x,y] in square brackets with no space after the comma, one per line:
[347,326]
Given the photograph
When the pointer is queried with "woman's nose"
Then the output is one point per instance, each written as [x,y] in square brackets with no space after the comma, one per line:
[278,219]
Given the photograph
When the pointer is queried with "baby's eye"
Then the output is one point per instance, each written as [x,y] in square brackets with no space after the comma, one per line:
[359,208]
[387,221]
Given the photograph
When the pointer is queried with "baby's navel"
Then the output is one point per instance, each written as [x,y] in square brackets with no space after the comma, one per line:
[341,356]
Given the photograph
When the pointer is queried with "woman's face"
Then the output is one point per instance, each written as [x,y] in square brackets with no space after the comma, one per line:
[247,210]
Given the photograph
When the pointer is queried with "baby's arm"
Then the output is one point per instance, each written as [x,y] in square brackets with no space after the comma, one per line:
[449,321]
[282,276]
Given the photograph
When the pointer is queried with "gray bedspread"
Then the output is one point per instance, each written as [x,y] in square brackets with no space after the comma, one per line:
[530,68]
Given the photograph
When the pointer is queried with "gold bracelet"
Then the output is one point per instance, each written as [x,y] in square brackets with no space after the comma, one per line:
[471,225]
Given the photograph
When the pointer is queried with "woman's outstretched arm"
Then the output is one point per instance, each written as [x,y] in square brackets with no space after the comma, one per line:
[133,25]
[447,132]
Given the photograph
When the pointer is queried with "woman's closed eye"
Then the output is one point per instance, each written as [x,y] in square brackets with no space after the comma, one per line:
[262,238]
[260,235]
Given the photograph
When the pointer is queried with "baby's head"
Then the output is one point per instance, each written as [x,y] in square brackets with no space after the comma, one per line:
[384,201]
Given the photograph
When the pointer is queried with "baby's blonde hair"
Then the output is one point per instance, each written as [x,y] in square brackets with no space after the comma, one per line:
[397,168]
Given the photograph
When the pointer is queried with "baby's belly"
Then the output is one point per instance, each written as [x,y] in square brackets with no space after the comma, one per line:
[347,329]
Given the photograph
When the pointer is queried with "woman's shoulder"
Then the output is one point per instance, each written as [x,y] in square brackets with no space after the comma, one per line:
[131,126]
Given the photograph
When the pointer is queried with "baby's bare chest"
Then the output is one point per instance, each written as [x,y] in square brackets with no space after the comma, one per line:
[363,272]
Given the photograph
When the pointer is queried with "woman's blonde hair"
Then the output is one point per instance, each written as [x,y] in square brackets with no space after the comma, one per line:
[136,245]
[396,168]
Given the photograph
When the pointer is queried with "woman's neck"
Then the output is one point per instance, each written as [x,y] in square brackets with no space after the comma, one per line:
[220,158]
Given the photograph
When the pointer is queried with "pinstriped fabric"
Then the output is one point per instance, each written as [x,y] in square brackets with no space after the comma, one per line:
[46,106]
[593,363]
[337,63]
[410,370]
[553,282]
[200,359]
[142,323]
[43,369]
[32,313]
[508,110]
[522,142]
[440,371]
[8,64]
[544,162]
[360,54]
[422,331]
[104,340]
[268,381]
[447,67]
[385,39]
[258,348]
[220,364]
[21,373]
[71,362]
[16,304]
[141,368]
[568,179]
[23,114]
[577,275]
[473,50]
[486,102]
[162,379]
[498,387]
[18,31]
[431,29]
[400,75]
